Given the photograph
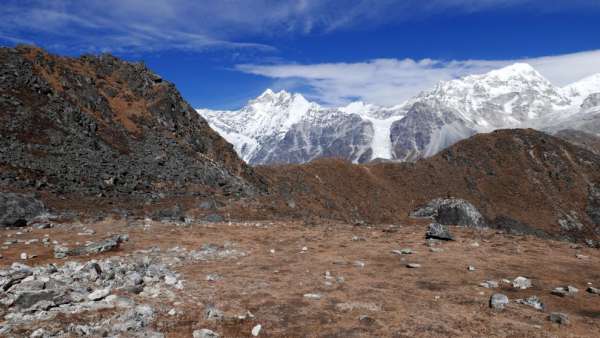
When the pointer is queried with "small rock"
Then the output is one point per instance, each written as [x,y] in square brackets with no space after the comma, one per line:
[99,294]
[521,283]
[359,264]
[204,333]
[498,301]
[366,320]
[559,318]
[438,231]
[172,312]
[213,277]
[436,249]
[593,290]
[580,256]
[405,251]
[256,330]
[214,314]
[471,268]
[532,301]
[567,291]
[489,284]
[413,265]
[23,256]
[170,280]
[314,296]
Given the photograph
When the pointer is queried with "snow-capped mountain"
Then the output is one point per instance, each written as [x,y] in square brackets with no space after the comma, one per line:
[284,127]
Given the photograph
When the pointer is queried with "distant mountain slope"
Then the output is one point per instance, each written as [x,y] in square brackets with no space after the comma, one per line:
[519,179]
[286,128]
[99,125]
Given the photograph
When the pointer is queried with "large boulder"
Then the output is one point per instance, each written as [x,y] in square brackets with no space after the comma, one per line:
[18,209]
[451,211]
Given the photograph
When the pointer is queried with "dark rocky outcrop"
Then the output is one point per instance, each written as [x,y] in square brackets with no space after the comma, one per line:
[593,205]
[97,125]
[438,231]
[451,211]
[18,209]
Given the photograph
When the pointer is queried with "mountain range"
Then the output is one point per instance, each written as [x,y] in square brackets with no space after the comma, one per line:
[283,127]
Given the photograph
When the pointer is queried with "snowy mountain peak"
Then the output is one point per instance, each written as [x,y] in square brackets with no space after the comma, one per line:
[580,90]
[514,70]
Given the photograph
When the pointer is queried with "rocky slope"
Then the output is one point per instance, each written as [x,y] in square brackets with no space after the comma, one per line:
[99,125]
[286,128]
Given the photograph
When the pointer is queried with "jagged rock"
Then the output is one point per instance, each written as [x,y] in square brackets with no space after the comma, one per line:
[108,244]
[498,301]
[521,283]
[256,330]
[99,294]
[204,333]
[438,231]
[451,211]
[18,209]
[565,291]
[532,301]
[489,284]
[570,222]
[559,318]
[593,290]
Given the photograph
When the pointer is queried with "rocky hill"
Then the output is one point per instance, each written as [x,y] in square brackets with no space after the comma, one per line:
[96,125]
[519,180]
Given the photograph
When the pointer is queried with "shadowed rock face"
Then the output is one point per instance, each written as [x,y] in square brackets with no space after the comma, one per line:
[17,209]
[97,124]
[451,211]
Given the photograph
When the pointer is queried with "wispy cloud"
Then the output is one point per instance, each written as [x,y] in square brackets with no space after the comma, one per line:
[391,81]
[150,25]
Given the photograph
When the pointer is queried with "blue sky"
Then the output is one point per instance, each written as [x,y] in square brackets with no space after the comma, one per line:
[222,53]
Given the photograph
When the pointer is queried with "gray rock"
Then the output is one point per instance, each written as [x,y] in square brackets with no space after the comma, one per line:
[214,218]
[521,283]
[566,291]
[99,294]
[108,244]
[18,209]
[489,284]
[413,265]
[214,314]
[204,333]
[532,301]
[593,290]
[451,211]
[438,231]
[559,318]
[498,301]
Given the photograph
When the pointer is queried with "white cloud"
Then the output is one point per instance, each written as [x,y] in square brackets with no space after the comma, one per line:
[150,25]
[391,81]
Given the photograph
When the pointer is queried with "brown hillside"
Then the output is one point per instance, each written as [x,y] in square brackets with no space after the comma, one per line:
[510,175]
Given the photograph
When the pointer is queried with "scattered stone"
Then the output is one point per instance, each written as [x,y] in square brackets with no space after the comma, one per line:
[471,268]
[593,290]
[358,239]
[351,306]
[204,333]
[580,256]
[366,320]
[489,284]
[405,251]
[99,294]
[313,296]
[413,265]
[521,283]
[213,277]
[567,291]
[214,314]
[559,318]
[359,264]
[256,330]
[532,301]
[498,301]
[436,249]
[23,255]
[108,244]
[438,231]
